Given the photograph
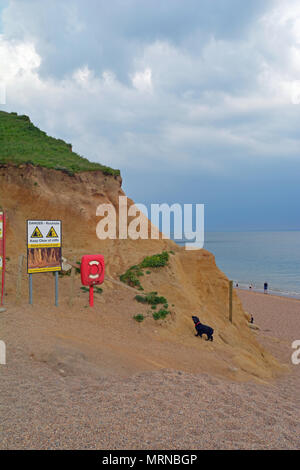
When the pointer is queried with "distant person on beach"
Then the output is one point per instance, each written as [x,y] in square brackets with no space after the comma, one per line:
[250,287]
[251,319]
[265,288]
[237,284]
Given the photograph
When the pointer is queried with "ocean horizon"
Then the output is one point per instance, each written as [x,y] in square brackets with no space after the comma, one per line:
[255,257]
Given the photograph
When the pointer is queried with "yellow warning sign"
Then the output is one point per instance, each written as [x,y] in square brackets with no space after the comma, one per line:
[36,233]
[52,233]
[43,246]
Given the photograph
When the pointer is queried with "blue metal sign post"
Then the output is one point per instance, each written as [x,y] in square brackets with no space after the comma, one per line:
[56,288]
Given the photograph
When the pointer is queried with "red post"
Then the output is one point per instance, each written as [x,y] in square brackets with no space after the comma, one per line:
[91,296]
[2,252]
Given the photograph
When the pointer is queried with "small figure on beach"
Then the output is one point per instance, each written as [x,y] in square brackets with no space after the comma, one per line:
[200,328]
[251,318]
[265,288]
[250,286]
[237,284]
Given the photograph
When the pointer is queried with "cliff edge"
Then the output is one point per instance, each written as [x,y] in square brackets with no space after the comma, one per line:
[190,281]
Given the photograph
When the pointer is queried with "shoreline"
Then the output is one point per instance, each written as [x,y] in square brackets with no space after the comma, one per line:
[244,280]
[270,293]
[278,319]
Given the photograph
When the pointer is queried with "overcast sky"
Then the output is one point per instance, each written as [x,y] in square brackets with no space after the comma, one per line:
[196,101]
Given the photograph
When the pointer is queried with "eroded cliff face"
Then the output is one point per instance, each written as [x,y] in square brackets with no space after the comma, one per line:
[191,282]
[35,192]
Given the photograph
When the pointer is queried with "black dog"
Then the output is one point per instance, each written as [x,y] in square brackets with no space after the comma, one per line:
[207,330]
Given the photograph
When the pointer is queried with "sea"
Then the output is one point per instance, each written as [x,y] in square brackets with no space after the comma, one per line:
[253,258]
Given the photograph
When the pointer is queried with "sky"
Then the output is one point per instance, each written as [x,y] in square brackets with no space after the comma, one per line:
[195,101]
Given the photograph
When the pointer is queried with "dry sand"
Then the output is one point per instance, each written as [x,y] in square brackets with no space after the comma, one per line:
[55,395]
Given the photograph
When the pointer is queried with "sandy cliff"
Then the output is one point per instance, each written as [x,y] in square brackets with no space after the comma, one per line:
[191,282]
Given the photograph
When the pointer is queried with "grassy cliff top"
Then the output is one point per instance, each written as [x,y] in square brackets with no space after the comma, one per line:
[22,142]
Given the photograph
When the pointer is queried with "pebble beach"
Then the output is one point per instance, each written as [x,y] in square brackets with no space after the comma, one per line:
[43,407]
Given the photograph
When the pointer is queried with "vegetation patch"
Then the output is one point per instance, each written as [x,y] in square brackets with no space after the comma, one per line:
[98,290]
[131,276]
[152,298]
[63,273]
[155,261]
[161,314]
[139,318]
[21,142]
[85,289]
[77,270]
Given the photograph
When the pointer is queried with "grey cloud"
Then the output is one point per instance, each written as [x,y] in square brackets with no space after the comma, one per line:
[215,121]
[110,35]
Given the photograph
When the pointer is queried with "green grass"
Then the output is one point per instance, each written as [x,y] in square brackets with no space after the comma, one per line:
[21,142]
[141,299]
[139,318]
[152,299]
[98,290]
[131,276]
[77,270]
[161,314]
[85,289]
[63,273]
[155,261]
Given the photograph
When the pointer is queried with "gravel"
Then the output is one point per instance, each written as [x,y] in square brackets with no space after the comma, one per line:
[48,406]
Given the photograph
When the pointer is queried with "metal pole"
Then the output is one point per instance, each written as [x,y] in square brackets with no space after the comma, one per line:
[56,288]
[19,279]
[30,288]
[91,296]
[3,257]
[4,252]
[230,300]
[72,283]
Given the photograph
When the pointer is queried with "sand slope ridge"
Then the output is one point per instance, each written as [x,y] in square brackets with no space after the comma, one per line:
[107,339]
